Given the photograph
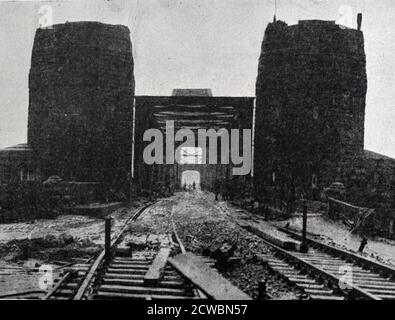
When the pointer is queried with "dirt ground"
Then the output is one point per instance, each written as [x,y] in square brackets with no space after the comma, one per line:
[336,233]
[55,243]
[202,223]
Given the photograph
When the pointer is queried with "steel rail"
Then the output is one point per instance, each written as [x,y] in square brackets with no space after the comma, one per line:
[88,278]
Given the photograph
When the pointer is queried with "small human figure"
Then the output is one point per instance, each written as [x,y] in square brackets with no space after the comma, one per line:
[225,191]
[217,187]
[230,188]
[194,185]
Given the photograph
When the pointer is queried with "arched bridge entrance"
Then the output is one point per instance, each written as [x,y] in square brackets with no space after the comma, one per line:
[190,178]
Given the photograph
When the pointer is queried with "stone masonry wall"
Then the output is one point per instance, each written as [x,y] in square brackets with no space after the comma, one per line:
[81,102]
[310,107]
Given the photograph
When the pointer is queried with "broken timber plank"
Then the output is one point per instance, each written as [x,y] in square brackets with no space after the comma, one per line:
[206,279]
[157,268]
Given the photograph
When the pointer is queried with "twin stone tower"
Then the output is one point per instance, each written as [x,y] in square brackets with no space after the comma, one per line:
[310,103]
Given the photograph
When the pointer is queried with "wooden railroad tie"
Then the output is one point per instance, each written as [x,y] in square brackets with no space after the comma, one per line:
[155,271]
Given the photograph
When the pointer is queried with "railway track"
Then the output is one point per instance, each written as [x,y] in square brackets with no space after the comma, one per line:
[324,273]
[327,272]
[124,274]
[74,284]
[363,278]
[289,267]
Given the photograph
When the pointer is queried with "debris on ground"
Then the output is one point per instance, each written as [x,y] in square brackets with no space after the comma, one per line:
[56,243]
[47,249]
[336,234]
[204,228]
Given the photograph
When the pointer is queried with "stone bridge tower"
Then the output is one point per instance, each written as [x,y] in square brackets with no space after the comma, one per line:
[310,107]
[81,87]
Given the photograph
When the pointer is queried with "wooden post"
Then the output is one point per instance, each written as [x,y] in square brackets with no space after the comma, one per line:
[363,244]
[261,290]
[107,237]
[304,247]
[304,221]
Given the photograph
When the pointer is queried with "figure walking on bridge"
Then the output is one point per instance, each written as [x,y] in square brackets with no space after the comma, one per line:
[217,187]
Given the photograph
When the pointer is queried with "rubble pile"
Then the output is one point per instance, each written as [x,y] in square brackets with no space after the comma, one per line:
[47,249]
[208,231]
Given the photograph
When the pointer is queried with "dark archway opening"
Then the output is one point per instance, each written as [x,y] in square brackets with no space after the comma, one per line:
[190,179]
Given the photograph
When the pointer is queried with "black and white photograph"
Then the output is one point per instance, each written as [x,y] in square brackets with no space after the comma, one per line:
[197,150]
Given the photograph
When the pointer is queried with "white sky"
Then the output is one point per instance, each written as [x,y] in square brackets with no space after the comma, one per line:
[197,43]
